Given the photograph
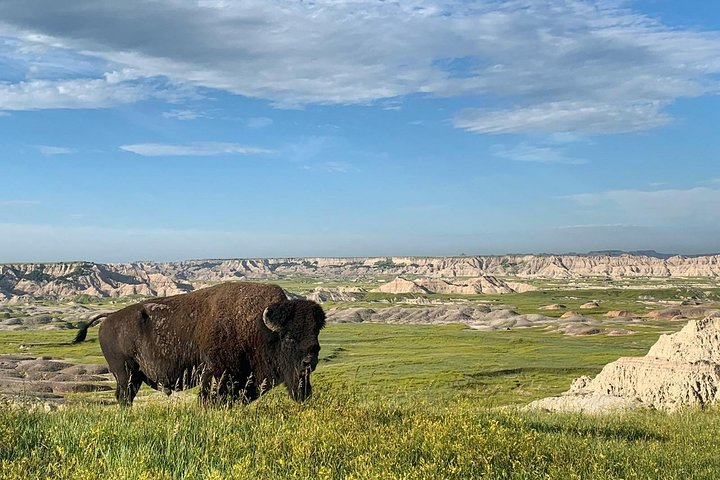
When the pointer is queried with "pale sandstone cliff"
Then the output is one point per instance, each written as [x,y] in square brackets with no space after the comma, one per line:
[485,284]
[61,280]
[680,370]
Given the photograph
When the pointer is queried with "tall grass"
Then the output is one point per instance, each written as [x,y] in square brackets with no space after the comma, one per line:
[350,435]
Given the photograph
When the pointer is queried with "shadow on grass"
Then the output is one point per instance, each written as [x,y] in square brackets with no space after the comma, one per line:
[507,372]
[45,344]
[624,432]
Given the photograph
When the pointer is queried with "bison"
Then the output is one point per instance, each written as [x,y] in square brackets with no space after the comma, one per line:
[236,340]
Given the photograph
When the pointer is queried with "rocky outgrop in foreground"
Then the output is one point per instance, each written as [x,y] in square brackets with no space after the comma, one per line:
[680,370]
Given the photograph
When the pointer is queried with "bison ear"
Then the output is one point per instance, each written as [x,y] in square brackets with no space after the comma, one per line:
[276,316]
[319,315]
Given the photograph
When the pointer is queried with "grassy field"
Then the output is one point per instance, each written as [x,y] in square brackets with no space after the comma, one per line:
[422,361]
[390,402]
[341,434]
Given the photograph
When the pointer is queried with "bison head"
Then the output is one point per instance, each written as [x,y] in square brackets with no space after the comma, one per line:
[297,324]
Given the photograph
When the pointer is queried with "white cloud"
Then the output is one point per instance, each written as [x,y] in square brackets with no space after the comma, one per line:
[338,167]
[259,122]
[535,153]
[82,93]
[200,149]
[54,150]
[548,66]
[183,114]
[567,116]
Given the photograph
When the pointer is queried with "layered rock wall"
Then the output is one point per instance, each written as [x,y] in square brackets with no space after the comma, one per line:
[61,280]
[680,370]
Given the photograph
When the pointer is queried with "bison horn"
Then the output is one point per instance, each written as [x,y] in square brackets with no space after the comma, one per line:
[270,322]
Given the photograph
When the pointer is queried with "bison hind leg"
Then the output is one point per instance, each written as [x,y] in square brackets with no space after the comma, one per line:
[126,388]
[128,378]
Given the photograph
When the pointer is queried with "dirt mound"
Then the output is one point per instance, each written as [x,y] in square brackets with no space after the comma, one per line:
[480,317]
[89,369]
[49,378]
[590,305]
[351,315]
[620,314]
[578,330]
[679,313]
[554,306]
[680,370]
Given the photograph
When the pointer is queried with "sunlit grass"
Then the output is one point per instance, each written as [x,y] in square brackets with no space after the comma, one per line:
[391,401]
[346,434]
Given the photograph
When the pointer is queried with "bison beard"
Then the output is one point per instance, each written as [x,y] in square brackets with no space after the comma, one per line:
[236,340]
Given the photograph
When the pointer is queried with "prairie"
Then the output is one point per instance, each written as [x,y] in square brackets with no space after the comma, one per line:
[391,401]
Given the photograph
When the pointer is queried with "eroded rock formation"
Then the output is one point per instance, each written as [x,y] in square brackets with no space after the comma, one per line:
[680,370]
[20,282]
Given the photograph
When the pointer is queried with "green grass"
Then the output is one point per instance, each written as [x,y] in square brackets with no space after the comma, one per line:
[439,361]
[391,401]
[430,361]
[345,434]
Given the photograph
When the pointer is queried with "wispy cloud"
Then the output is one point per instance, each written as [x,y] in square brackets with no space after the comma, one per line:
[338,167]
[183,114]
[307,149]
[259,122]
[54,150]
[550,66]
[392,104]
[566,116]
[200,149]
[535,153]
[80,93]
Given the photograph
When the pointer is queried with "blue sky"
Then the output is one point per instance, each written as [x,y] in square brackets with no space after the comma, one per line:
[174,129]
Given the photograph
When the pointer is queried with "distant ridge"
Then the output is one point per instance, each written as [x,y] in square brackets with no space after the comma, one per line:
[639,253]
[647,253]
[28,281]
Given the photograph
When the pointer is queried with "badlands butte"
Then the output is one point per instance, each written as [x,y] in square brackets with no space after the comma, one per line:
[493,274]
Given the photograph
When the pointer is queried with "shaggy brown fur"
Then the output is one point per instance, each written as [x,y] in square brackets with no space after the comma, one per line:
[237,340]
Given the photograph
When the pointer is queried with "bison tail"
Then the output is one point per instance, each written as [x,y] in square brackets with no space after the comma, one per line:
[80,337]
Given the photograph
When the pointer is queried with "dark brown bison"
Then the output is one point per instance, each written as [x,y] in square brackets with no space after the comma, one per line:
[236,340]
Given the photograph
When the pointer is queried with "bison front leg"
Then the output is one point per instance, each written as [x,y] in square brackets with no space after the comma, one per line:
[222,389]
[211,391]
